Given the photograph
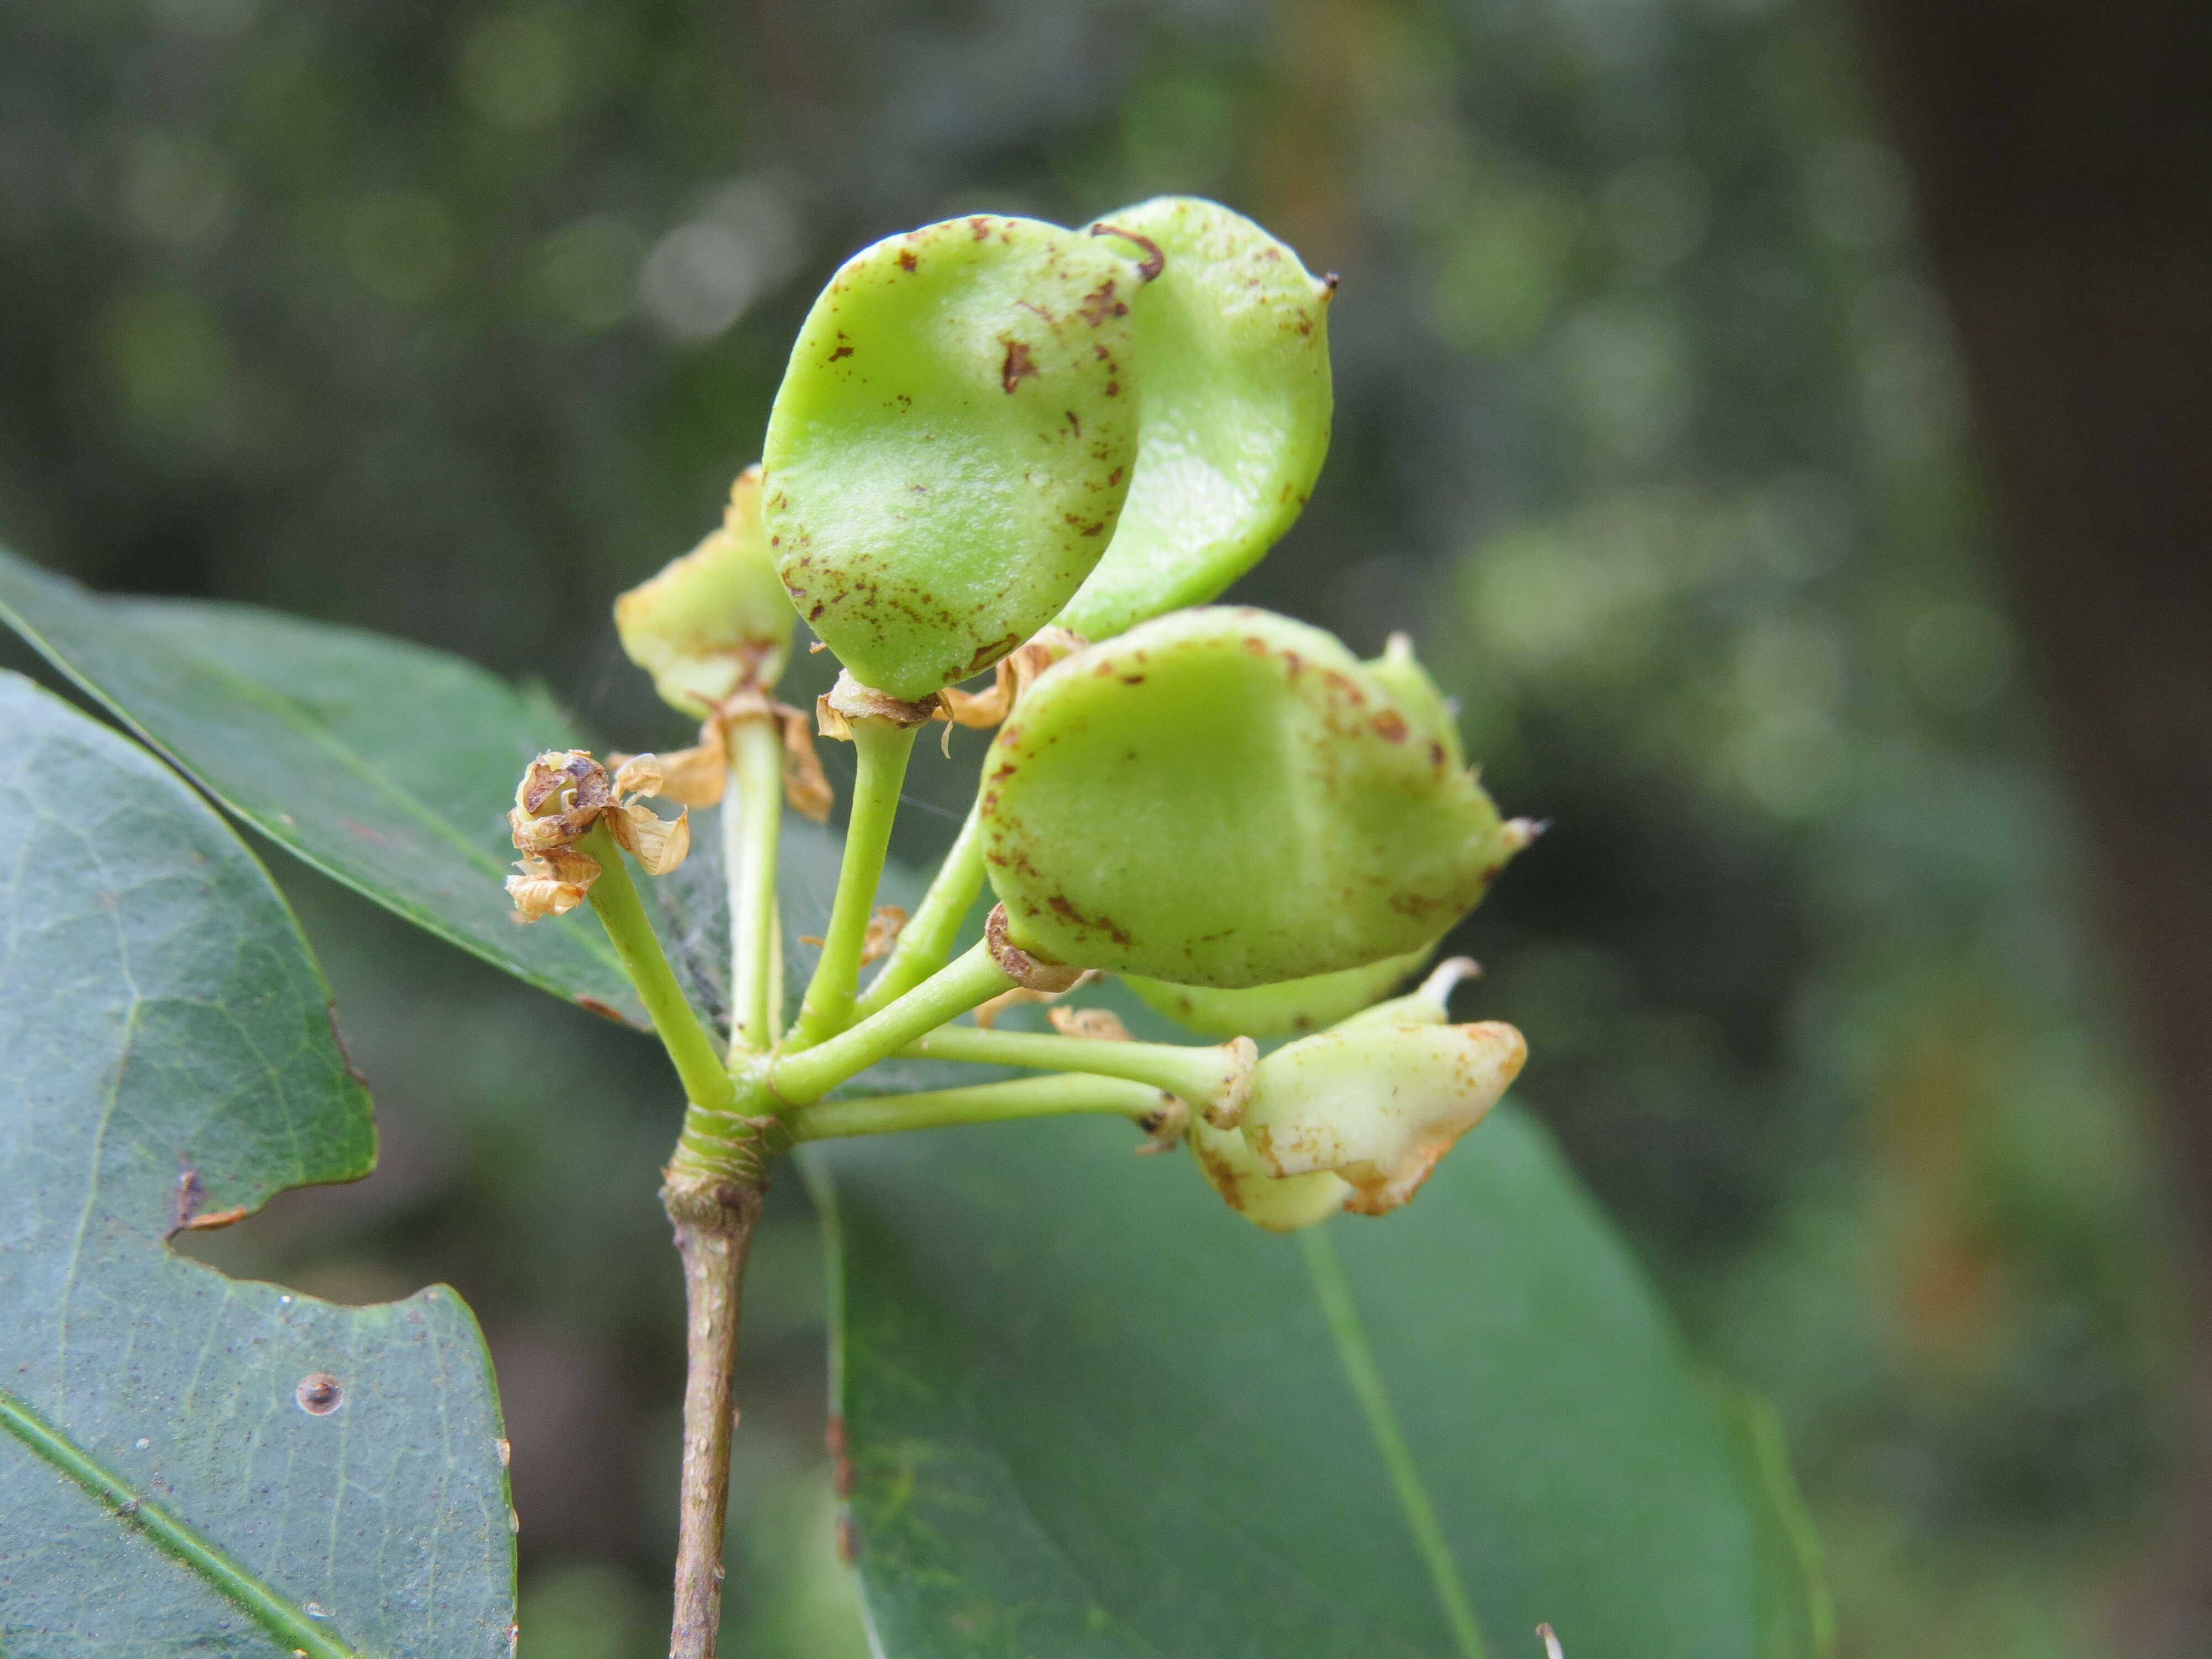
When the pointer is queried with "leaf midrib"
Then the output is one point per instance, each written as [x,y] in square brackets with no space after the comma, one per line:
[1334,1292]
[173,1536]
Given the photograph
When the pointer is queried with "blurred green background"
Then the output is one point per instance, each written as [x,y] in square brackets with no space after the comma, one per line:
[453,319]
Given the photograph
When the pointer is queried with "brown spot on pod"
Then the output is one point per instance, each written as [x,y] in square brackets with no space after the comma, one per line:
[1018,366]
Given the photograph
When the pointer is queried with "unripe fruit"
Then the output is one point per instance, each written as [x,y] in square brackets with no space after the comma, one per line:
[715,620]
[1418,697]
[1287,1009]
[1254,1191]
[1233,338]
[1222,797]
[951,445]
[1378,1104]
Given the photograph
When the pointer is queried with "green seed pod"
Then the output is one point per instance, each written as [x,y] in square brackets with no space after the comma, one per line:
[1378,1104]
[1419,697]
[1278,1204]
[951,445]
[1222,797]
[715,620]
[1234,339]
[1285,1009]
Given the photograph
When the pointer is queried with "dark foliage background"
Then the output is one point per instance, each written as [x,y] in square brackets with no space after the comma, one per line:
[453,320]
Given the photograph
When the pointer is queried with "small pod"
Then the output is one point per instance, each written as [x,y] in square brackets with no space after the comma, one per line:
[714,622]
[1225,798]
[1378,1105]
[951,445]
[1234,338]
[1279,1204]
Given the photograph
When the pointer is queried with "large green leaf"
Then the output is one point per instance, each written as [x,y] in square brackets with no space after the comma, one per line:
[1091,1411]
[193,1464]
[385,764]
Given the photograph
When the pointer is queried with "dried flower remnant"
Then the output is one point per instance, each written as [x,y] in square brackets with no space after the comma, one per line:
[1100,1025]
[699,775]
[847,701]
[1010,678]
[563,794]
[884,925]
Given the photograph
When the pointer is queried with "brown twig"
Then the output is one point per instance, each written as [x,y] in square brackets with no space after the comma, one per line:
[714,1223]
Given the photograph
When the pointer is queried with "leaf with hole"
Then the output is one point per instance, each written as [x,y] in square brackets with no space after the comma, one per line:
[193,1463]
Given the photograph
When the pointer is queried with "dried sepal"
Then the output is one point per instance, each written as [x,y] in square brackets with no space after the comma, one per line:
[659,844]
[884,925]
[987,1013]
[849,701]
[552,883]
[1027,971]
[1010,678]
[805,787]
[560,796]
[1099,1025]
[698,776]
[1166,1125]
[564,793]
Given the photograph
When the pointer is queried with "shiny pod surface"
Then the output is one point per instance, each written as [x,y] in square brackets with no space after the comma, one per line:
[951,445]
[1225,797]
[715,620]
[1234,338]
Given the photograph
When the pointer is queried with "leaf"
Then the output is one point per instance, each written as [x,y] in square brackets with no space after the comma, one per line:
[1089,1412]
[387,765]
[168,1049]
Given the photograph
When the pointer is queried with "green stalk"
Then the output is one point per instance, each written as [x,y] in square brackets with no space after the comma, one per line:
[752,817]
[801,1079]
[883,748]
[925,944]
[983,1103]
[689,1045]
[1200,1076]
